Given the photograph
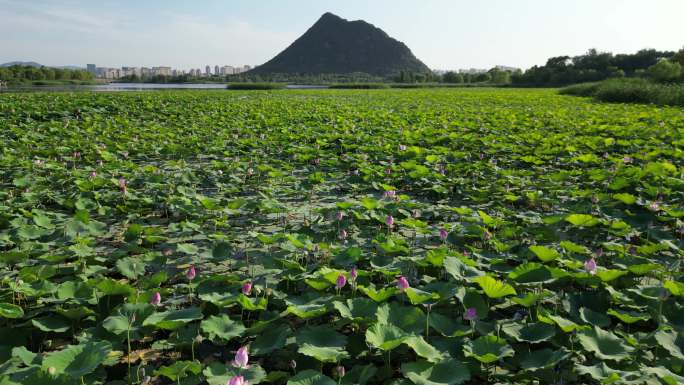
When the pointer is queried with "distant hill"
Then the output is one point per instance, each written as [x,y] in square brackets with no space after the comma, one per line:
[38,65]
[337,46]
[21,63]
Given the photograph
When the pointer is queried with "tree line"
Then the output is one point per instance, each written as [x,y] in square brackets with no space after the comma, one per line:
[596,66]
[20,74]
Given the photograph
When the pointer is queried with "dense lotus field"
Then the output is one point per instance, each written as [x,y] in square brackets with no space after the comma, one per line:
[340,237]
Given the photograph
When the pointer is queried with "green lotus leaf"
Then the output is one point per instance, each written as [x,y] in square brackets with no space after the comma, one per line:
[628,317]
[417,296]
[381,295]
[322,343]
[544,253]
[488,349]
[542,359]
[532,332]
[594,318]
[222,327]
[273,338]
[173,319]
[310,377]
[360,375]
[625,198]
[606,375]
[676,288]
[357,308]
[385,336]
[130,267]
[447,372]
[7,310]
[252,304]
[460,270]
[663,374]
[423,348]
[572,247]
[582,220]
[179,369]
[604,344]
[530,272]
[672,341]
[565,324]
[494,288]
[52,323]
[448,327]
[610,275]
[77,360]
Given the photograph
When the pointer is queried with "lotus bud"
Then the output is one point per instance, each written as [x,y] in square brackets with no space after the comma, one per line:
[443,234]
[191,273]
[241,358]
[389,221]
[341,281]
[590,266]
[247,288]
[402,283]
[156,299]
[354,273]
[470,314]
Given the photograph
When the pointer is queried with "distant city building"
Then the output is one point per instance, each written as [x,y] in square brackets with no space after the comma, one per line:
[146,72]
[507,68]
[227,70]
[472,71]
[161,71]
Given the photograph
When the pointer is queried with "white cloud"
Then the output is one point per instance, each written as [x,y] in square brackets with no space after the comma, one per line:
[70,35]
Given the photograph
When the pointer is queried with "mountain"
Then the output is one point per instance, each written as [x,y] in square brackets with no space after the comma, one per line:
[21,63]
[38,65]
[334,45]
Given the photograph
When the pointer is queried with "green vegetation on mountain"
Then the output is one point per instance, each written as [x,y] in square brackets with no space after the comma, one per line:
[337,46]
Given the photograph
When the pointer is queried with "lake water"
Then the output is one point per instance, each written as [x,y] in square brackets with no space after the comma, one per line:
[142,87]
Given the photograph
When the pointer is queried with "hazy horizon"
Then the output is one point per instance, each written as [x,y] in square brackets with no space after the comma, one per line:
[444,34]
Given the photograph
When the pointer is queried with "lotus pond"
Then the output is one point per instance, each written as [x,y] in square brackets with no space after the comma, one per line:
[431,237]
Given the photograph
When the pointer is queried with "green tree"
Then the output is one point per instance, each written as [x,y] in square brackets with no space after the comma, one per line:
[665,71]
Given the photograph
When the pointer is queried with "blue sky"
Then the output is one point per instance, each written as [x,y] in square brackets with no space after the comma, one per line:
[445,34]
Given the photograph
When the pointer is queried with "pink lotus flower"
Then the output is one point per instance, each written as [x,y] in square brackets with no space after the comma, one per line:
[654,206]
[470,314]
[191,273]
[93,174]
[389,194]
[340,371]
[247,288]
[354,273]
[343,234]
[237,380]
[443,234]
[341,281]
[122,183]
[627,159]
[241,358]
[156,299]
[590,266]
[389,221]
[402,147]
[340,215]
[402,283]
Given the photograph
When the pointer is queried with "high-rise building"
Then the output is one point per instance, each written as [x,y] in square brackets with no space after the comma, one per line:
[217,71]
[91,68]
[207,70]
